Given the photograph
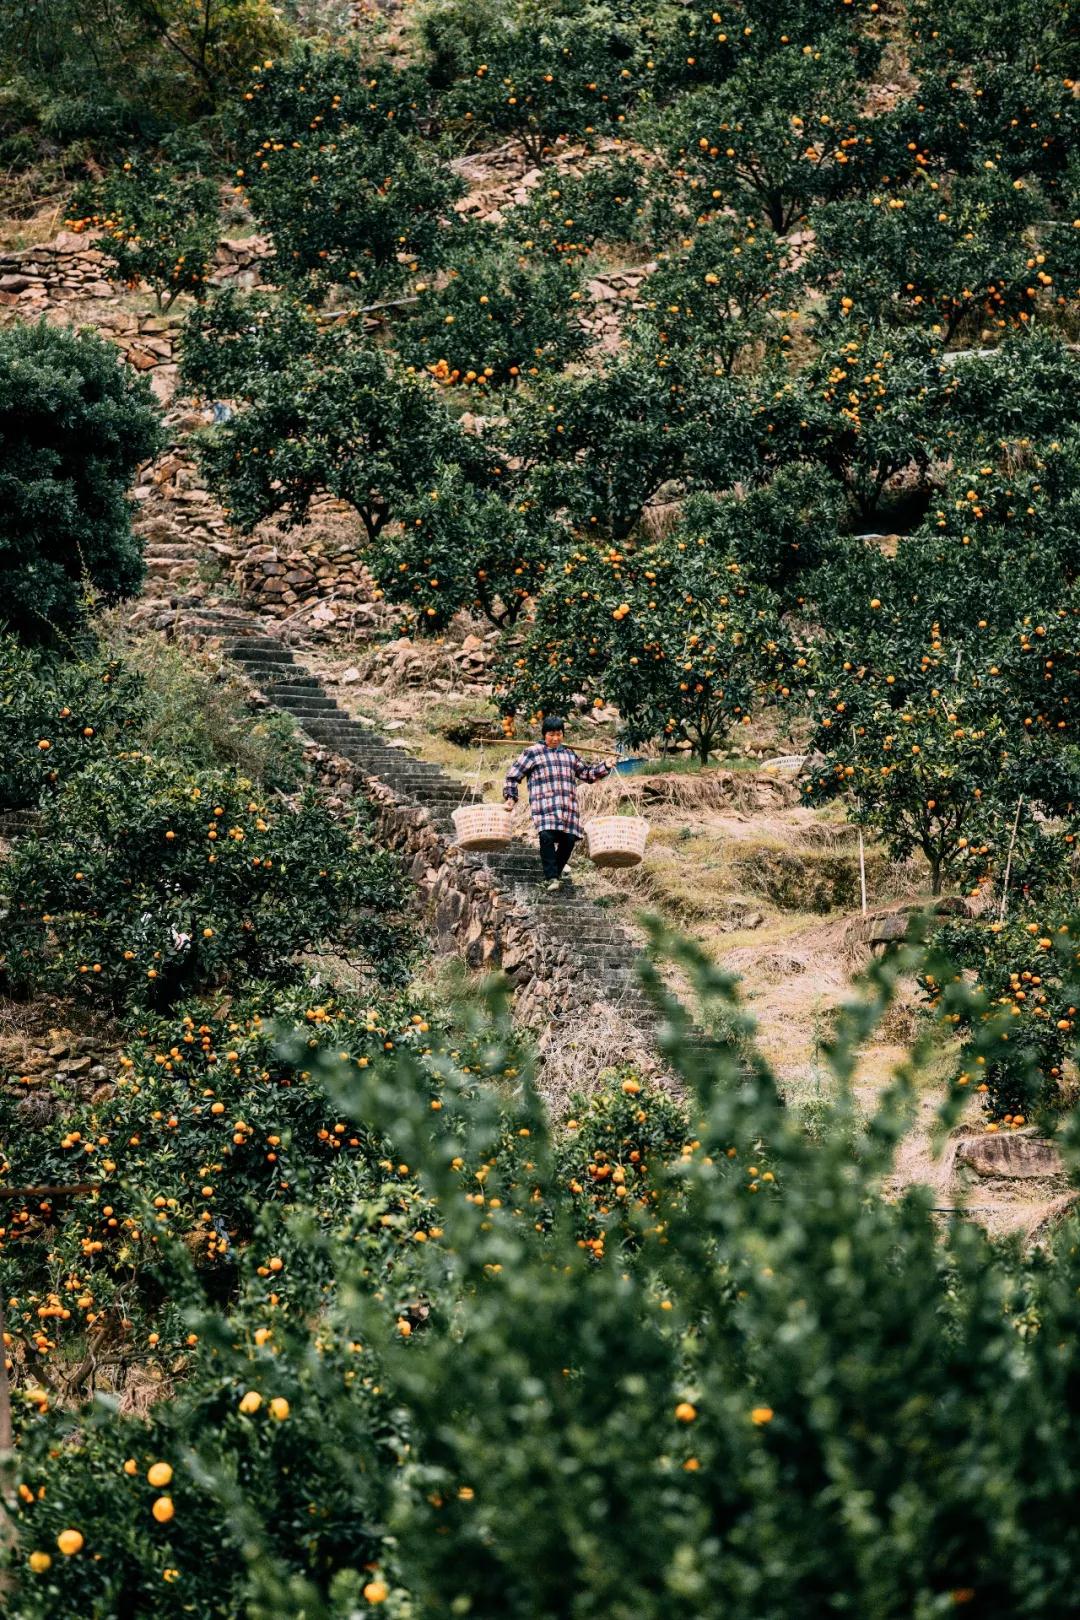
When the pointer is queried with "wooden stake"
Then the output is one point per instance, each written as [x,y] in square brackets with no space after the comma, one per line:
[862,847]
[1008,861]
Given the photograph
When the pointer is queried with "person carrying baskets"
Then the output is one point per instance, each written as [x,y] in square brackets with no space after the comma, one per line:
[553,772]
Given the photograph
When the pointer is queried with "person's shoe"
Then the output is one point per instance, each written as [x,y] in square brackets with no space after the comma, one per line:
[553,885]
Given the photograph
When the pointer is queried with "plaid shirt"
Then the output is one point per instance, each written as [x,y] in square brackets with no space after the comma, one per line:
[552,775]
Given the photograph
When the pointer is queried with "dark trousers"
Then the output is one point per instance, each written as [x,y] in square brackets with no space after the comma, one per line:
[556,849]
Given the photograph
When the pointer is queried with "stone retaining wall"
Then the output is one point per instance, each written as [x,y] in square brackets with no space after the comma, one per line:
[471,914]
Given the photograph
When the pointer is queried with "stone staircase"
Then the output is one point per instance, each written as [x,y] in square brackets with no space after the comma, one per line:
[577,932]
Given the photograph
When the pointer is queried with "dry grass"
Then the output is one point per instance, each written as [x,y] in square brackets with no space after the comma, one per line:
[580,1055]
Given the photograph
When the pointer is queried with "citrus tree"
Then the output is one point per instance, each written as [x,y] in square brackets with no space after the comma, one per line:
[157,223]
[1017,1029]
[334,165]
[567,215]
[457,546]
[56,716]
[599,445]
[74,425]
[324,410]
[148,884]
[775,136]
[725,290]
[958,257]
[865,409]
[501,312]
[572,71]
[668,632]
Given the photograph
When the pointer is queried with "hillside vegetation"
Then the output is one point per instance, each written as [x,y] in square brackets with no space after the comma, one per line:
[706,372]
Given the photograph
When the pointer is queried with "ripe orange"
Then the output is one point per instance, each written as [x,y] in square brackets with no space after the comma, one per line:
[163,1509]
[159,1474]
[70,1542]
[685,1412]
[376,1591]
[39,1562]
[279,1408]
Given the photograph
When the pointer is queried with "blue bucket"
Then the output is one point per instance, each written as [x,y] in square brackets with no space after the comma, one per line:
[631,765]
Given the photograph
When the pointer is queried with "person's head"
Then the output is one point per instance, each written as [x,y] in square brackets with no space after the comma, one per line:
[552,730]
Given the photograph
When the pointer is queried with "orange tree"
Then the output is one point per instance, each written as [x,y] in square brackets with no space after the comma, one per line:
[1018,1028]
[501,312]
[599,445]
[74,425]
[779,134]
[56,716]
[724,290]
[146,884]
[566,215]
[206,1125]
[400,1389]
[335,166]
[667,631]
[324,410]
[457,546]
[778,533]
[573,72]
[865,409]
[158,223]
[959,254]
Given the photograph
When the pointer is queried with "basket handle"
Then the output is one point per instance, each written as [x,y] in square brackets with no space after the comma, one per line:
[477,778]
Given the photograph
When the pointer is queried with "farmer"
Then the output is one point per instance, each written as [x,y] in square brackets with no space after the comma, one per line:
[553,772]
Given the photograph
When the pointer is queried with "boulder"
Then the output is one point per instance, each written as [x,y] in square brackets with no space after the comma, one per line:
[1013,1154]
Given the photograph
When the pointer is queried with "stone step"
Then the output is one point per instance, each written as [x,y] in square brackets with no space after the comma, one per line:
[245,649]
[287,684]
[162,567]
[304,702]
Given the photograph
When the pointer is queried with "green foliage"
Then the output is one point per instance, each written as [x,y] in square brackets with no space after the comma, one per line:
[960,259]
[147,884]
[777,533]
[570,70]
[109,68]
[461,547]
[775,136]
[600,445]
[1017,1027]
[864,410]
[568,215]
[158,224]
[333,166]
[58,717]
[74,425]
[726,288]
[667,631]
[500,314]
[326,410]
[701,1391]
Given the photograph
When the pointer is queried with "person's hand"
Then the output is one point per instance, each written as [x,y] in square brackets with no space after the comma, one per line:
[508,805]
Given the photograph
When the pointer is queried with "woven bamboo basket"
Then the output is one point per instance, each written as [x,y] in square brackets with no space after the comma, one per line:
[616,840]
[481,826]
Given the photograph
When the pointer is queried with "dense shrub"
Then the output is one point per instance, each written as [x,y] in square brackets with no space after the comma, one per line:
[768,1355]
[332,164]
[156,222]
[74,425]
[147,883]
